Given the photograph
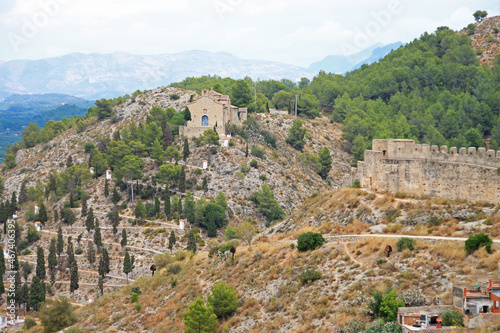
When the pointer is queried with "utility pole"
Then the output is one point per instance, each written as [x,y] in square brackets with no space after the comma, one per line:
[296,97]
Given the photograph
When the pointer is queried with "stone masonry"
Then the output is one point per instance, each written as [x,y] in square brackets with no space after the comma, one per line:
[402,166]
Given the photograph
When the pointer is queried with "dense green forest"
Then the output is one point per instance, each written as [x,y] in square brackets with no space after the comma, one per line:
[432,90]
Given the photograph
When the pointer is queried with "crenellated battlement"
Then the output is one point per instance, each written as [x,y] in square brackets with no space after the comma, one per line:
[408,149]
[403,166]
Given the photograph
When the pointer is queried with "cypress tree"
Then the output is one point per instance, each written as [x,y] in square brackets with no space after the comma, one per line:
[185,150]
[13,204]
[2,263]
[71,200]
[52,254]
[157,206]
[73,285]
[100,285]
[89,221]
[90,253]
[22,192]
[37,294]
[97,235]
[69,162]
[84,207]
[42,214]
[56,215]
[191,242]
[124,238]
[127,265]
[106,188]
[171,241]
[69,252]
[40,264]
[2,287]
[106,260]
[24,295]
[60,241]
[166,199]
[116,197]
[182,180]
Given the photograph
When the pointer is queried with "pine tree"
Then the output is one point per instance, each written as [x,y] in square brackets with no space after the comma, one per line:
[127,266]
[296,135]
[167,137]
[116,197]
[182,180]
[185,150]
[42,214]
[124,238]
[97,235]
[60,241]
[52,258]
[84,207]
[90,253]
[166,199]
[158,153]
[106,188]
[89,222]
[73,285]
[199,318]
[40,264]
[171,241]
[37,294]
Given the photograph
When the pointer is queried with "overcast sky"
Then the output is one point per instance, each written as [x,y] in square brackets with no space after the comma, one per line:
[292,31]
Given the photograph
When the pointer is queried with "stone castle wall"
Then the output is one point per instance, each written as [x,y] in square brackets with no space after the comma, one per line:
[403,166]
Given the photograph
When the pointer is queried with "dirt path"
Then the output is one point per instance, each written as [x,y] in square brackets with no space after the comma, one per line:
[346,249]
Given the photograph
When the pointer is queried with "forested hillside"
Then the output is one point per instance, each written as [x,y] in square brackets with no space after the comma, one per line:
[432,90]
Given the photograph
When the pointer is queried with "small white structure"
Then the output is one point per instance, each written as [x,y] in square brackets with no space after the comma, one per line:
[181,224]
[38,226]
[205,164]
[91,299]
[37,210]
[108,174]
[14,216]
[225,142]
[92,170]
[5,252]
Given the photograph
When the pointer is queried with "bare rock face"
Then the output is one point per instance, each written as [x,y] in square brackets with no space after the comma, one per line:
[486,39]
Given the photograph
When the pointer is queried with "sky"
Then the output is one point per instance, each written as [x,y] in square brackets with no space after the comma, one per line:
[296,32]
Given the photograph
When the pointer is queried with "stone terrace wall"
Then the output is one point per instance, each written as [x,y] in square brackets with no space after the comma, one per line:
[403,166]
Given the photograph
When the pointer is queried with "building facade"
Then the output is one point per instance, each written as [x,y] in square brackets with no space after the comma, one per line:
[212,110]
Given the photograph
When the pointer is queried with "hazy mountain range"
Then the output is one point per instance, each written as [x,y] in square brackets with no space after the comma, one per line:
[94,76]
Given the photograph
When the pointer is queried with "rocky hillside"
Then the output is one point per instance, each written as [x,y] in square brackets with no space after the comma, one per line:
[486,39]
[267,274]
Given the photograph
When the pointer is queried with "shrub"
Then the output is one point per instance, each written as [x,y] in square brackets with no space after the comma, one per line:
[136,289]
[309,241]
[270,139]
[138,307]
[474,242]
[29,323]
[134,297]
[57,314]
[471,29]
[198,171]
[356,184]
[73,330]
[173,283]
[88,146]
[254,164]
[174,97]
[292,246]
[309,276]
[434,220]
[223,300]
[78,250]
[174,269]
[406,243]
[263,177]
[258,152]
[452,318]
[244,168]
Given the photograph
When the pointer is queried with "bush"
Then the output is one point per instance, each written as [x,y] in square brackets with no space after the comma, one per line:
[198,171]
[474,242]
[134,297]
[309,241]
[254,164]
[29,323]
[136,289]
[88,146]
[78,250]
[244,168]
[452,318]
[270,139]
[258,152]
[471,29]
[406,243]
[138,307]
[263,177]
[356,184]
[73,330]
[57,314]
[173,283]
[434,220]
[174,269]
[223,300]
[174,97]
[309,276]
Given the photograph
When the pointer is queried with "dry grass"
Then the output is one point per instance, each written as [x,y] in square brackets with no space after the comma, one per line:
[450,250]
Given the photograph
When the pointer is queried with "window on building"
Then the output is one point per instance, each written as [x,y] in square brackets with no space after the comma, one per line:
[204,111]
[204,121]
